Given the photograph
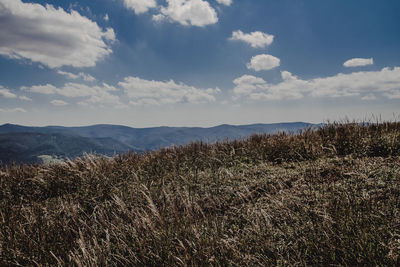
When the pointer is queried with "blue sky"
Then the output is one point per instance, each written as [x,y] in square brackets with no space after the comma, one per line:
[196,62]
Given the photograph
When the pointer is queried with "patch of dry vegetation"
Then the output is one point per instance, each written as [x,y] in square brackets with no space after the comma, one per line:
[324,197]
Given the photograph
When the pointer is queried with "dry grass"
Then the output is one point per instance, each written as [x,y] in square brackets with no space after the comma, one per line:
[325,197]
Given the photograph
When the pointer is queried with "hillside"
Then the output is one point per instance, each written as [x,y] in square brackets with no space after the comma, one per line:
[23,144]
[329,197]
[28,147]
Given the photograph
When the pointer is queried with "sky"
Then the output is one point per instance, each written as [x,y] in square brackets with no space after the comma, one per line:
[145,63]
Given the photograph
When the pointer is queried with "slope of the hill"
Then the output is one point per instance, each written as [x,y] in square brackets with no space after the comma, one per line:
[329,197]
[29,147]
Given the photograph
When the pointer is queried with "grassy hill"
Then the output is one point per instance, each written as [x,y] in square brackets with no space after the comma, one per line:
[327,197]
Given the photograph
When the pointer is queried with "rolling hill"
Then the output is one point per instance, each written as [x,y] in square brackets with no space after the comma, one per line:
[24,144]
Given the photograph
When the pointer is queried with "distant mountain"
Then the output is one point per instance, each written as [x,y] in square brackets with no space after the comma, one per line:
[28,147]
[27,144]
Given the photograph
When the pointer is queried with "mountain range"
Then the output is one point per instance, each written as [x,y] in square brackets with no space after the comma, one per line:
[24,144]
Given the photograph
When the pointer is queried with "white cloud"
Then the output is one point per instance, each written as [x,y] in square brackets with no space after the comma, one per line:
[385,81]
[84,76]
[140,6]
[82,90]
[12,110]
[395,94]
[109,35]
[258,89]
[145,92]
[225,2]
[106,17]
[263,62]
[46,89]
[188,12]
[51,35]
[69,75]
[369,97]
[87,77]
[358,62]
[159,17]
[25,98]
[145,102]
[94,94]
[59,103]
[246,84]
[102,95]
[6,93]
[138,92]
[255,39]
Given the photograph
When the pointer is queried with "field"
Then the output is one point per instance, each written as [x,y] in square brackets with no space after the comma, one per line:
[323,197]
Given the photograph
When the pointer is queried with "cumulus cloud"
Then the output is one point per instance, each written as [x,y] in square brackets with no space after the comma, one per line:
[188,12]
[358,62]
[140,6]
[97,94]
[12,110]
[146,92]
[258,89]
[6,93]
[263,62]
[82,75]
[93,94]
[59,103]
[246,84]
[255,39]
[51,36]
[385,81]
[46,89]
[225,2]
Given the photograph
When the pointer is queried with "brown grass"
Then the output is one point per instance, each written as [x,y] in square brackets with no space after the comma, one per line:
[324,197]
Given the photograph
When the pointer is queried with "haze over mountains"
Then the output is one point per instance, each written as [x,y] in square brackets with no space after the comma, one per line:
[23,144]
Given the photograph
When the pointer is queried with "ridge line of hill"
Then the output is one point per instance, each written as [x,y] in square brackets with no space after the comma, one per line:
[22,144]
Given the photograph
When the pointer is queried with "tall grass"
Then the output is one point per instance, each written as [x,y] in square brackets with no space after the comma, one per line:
[321,197]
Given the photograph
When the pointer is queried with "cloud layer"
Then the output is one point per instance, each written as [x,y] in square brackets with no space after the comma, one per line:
[58,102]
[145,92]
[263,62]
[364,84]
[358,62]
[255,39]
[99,94]
[12,110]
[51,36]
[136,91]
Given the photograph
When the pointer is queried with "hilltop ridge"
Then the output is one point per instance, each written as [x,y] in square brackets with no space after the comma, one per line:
[21,143]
